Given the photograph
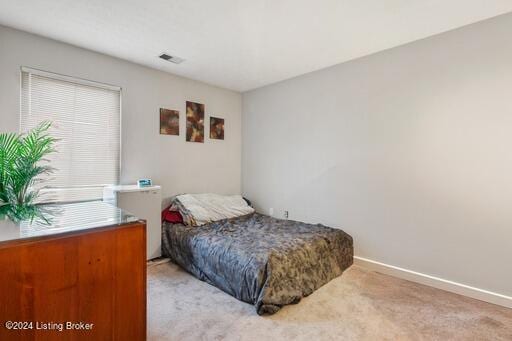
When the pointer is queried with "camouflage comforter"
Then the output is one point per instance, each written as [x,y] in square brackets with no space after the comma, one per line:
[261,260]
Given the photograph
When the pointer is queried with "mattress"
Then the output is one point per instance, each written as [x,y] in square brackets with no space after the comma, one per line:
[258,259]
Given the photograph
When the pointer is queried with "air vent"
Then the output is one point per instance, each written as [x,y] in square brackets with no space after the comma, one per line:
[172,59]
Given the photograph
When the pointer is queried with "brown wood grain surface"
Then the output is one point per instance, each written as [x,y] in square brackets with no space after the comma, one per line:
[93,276]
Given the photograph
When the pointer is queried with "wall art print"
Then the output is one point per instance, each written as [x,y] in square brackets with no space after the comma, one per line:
[216,128]
[195,122]
[169,122]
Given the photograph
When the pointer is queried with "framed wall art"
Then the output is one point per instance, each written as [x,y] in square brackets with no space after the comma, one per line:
[169,122]
[216,128]
[195,122]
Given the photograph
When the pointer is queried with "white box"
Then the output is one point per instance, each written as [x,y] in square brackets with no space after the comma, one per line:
[145,203]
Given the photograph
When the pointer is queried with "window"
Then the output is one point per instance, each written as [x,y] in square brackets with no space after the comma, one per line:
[85,118]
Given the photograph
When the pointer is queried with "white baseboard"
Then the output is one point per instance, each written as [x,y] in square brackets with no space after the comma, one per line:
[413,276]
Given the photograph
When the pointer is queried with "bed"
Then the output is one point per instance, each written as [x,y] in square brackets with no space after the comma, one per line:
[258,259]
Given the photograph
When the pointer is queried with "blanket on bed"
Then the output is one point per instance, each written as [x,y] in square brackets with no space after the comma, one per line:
[200,209]
[259,259]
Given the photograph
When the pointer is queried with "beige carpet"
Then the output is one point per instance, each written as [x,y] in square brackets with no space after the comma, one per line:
[359,305]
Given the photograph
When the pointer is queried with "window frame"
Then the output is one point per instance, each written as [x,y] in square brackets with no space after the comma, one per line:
[80,81]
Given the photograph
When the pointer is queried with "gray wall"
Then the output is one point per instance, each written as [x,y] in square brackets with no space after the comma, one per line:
[179,166]
[408,150]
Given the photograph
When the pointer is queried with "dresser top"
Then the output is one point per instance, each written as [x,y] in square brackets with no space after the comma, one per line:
[65,218]
[131,188]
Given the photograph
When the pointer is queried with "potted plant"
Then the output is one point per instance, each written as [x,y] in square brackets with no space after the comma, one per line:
[22,162]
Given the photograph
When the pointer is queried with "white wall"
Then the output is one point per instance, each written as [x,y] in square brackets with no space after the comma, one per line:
[177,165]
[408,150]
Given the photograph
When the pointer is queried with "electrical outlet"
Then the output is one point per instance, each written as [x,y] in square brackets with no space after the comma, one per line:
[271,212]
[286,214]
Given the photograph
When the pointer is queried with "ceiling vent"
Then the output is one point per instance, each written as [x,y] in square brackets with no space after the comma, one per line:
[172,59]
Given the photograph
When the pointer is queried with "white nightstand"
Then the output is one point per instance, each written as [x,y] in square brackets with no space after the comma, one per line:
[145,203]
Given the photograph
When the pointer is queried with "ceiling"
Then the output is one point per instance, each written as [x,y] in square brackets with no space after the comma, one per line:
[243,44]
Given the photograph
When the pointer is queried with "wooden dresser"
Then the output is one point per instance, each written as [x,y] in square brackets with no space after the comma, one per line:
[82,277]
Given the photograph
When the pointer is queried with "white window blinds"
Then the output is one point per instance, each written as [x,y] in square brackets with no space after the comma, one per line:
[85,118]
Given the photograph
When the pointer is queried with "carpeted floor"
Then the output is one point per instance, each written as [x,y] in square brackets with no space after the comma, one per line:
[359,305]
